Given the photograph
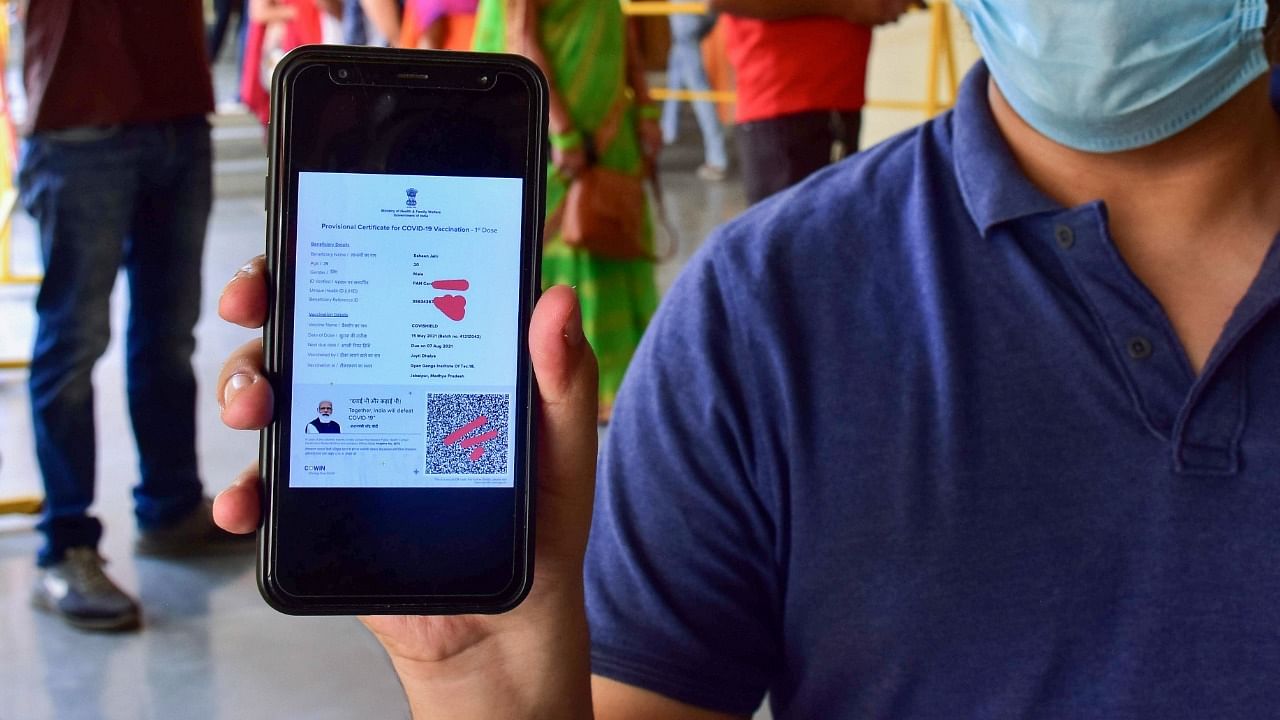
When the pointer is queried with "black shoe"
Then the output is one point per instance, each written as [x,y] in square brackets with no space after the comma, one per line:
[81,593]
[195,534]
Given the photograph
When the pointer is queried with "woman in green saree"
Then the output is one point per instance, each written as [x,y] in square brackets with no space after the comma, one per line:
[582,46]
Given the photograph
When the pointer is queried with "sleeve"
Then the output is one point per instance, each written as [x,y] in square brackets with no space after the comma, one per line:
[683,585]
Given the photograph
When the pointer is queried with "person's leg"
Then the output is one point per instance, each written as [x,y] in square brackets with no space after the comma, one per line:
[78,185]
[760,153]
[670,121]
[242,39]
[216,34]
[848,130]
[163,258]
[354,30]
[694,77]
[779,152]
[684,30]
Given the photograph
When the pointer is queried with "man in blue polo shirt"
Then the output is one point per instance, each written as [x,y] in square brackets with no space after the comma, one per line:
[989,422]
[984,422]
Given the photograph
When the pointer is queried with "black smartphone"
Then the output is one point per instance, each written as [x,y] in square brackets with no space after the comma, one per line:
[405,212]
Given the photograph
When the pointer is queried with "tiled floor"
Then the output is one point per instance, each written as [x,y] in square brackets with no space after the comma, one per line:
[211,648]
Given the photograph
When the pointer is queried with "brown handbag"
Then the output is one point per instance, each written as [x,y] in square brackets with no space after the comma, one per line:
[604,209]
[604,214]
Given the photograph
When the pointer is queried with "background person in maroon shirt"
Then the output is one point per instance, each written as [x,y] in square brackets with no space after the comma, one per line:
[116,170]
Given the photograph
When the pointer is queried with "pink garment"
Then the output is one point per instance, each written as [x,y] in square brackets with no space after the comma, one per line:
[429,11]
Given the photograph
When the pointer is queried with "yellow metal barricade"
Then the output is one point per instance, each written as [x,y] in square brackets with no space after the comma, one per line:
[8,202]
[650,7]
[941,56]
[21,506]
[8,193]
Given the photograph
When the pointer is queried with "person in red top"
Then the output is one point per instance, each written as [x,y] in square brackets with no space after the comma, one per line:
[275,28]
[801,70]
[116,169]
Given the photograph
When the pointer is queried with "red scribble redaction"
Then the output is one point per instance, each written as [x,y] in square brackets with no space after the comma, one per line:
[482,437]
[451,285]
[454,307]
[457,435]
[477,454]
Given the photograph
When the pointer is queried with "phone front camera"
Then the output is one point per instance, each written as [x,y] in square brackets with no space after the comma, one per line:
[483,80]
[343,73]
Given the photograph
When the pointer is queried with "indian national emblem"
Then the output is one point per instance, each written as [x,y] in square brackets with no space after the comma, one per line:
[412,200]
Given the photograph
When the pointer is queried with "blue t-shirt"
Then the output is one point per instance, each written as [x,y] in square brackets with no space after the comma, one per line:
[911,441]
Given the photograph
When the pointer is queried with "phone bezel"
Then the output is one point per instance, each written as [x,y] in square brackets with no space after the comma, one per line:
[371,65]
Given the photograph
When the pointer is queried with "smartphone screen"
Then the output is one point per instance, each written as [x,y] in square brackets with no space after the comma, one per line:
[404,331]
[407,272]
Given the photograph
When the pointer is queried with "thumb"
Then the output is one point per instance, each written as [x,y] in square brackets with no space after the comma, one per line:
[565,368]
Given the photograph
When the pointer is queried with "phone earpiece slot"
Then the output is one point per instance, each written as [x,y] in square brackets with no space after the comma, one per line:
[449,78]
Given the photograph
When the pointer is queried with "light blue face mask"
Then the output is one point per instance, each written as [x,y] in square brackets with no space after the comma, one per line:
[1112,75]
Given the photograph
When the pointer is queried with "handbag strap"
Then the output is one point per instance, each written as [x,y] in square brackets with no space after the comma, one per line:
[610,126]
[604,135]
[664,218]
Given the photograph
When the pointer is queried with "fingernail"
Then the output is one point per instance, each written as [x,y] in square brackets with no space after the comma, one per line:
[242,273]
[238,483]
[573,329]
[235,384]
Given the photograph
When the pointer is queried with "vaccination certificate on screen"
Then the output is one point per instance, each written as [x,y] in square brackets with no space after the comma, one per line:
[405,326]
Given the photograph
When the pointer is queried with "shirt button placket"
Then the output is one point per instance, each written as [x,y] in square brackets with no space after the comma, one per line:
[1139,347]
[1065,236]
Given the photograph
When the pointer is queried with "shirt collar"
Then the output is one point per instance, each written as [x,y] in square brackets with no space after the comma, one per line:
[993,186]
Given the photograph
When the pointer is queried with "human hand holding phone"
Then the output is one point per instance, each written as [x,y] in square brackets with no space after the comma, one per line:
[532,661]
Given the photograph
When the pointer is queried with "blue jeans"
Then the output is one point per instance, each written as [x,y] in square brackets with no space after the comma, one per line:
[354,25]
[136,196]
[215,34]
[685,70]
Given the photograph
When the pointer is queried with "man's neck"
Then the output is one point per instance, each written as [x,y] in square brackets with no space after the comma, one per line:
[1193,215]
[1214,170]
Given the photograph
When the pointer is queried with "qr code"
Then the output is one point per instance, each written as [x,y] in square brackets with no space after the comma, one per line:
[467,434]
